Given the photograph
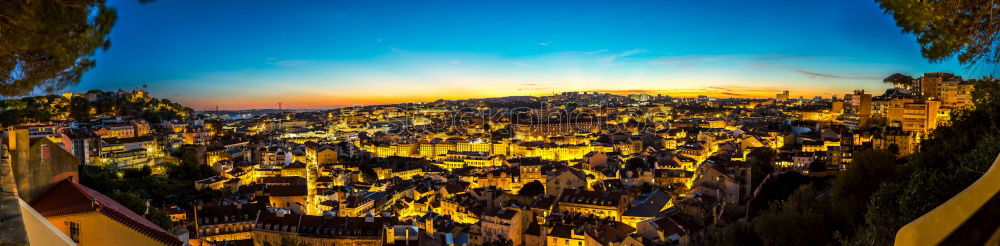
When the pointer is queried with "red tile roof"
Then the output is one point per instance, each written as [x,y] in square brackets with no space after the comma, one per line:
[67,197]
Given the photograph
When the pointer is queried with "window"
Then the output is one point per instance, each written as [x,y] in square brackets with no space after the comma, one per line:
[44,152]
[74,231]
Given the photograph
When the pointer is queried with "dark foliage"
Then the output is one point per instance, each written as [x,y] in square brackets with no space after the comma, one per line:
[48,45]
[944,28]
[532,189]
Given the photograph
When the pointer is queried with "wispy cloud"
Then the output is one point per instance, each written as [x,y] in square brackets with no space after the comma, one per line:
[595,52]
[543,44]
[684,61]
[287,63]
[533,87]
[818,75]
[624,54]
[520,64]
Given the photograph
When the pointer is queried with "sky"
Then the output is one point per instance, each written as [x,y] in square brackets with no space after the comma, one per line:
[320,54]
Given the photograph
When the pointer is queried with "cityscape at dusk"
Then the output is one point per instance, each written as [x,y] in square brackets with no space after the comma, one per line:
[499,123]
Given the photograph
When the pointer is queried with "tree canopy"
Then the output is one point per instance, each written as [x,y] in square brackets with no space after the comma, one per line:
[48,45]
[899,79]
[761,164]
[854,186]
[944,28]
[532,189]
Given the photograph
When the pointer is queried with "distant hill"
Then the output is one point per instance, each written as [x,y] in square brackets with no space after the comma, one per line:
[87,106]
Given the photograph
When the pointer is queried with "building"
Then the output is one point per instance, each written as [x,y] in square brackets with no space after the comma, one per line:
[913,114]
[837,107]
[86,146]
[504,224]
[857,109]
[533,131]
[897,141]
[272,227]
[668,177]
[566,178]
[646,207]
[951,90]
[565,235]
[781,97]
[291,197]
[37,162]
[664,231]
[326,155]
[116,131]
[91,218]
[355,206]
[227,222]
[603,204]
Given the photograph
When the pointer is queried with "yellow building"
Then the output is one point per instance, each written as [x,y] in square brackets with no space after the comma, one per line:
[913,114]
[474,147]
[597,203]
[565,235]
[297,169]
[355,206]
[292,197]
[116,131]
[225,222]
[565,179]
[326,155]
[91,218]
[951,90]
[460,207]
[271,228]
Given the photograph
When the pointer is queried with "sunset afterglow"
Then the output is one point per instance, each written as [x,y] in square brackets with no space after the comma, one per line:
[251,55]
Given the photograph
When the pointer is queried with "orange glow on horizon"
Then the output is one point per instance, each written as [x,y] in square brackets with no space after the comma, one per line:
[336,100]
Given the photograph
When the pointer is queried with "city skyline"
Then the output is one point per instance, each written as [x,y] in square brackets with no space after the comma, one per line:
[353,53]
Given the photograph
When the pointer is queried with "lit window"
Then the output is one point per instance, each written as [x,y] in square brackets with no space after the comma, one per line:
[74,231]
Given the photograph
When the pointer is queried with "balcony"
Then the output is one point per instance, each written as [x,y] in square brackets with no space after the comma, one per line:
[969,218]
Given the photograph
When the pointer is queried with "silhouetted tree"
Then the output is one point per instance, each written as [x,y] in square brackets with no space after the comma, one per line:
[854,186]
[817,166]
[946,28]
[761,164]
[48,45]
[79,109]
[532,189]
[800,220]
[899,80]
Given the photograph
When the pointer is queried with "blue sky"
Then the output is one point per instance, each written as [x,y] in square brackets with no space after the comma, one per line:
[253,54]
